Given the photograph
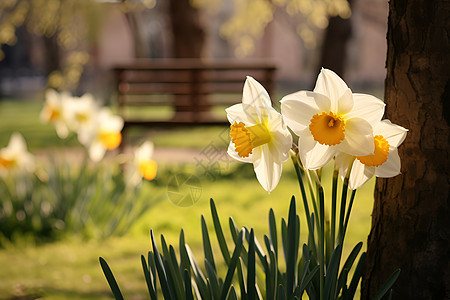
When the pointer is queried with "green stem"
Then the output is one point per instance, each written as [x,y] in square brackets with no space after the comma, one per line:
[343,205]
[299,172]
[333,207]
[321,240]
[313,198]
[347,216]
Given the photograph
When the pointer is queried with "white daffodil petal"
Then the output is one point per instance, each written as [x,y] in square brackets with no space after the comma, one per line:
[391,167]
[343,161]
[237,113]
[394,134]
[61,130]
[255,94]
[298,113]
[231,152]
[331,85]
[306,143]
[97,151]
[319,156]
[367,107]
[17,143]
[268,172]
[358,126]
[345,103]
[281,145]
[360,174]
[357,144]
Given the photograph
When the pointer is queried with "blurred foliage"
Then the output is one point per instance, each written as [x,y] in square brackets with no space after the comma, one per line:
[74,24]
[91,201]
[251,17]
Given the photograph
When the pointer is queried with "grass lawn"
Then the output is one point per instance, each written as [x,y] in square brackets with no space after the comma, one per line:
[69,269]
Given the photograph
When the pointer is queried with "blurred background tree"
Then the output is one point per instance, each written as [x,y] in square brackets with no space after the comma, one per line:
[68,28]
[410,219]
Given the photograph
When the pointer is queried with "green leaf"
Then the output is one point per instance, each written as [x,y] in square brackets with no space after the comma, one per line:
[174,279]
[152,268]
[271,274]
[160,268]
[292,249]
[241,276]
[110,278]
[184,258]
[273,232]
[198,275]
[232,266]
[309,278]
[356,276]
[187,285]
[232,294]
[387,285]
[284,238]
[215,290]
[280,293]
[207,244]
[251,268]
[348,265]
[219,233]
[148,279]
[332,274]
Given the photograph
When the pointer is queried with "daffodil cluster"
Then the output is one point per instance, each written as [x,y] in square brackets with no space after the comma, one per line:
[331,122]
[97,128]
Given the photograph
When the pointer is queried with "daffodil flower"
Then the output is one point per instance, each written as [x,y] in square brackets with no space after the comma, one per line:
[15,158]
[80,112]
[331,119]
[143,166]
[53,111]
[103,134]
[258,134]
[385,162]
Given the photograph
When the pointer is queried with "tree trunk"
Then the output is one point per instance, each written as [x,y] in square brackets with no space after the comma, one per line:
[188,42]
[187,28]
[334,47]
[410,220]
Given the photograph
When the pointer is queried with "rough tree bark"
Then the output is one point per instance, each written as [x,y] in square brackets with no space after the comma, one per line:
[410,221]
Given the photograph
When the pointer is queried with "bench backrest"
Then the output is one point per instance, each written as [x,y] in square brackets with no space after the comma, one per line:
[187,86]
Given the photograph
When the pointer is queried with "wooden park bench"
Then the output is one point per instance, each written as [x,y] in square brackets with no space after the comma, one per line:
[186,91]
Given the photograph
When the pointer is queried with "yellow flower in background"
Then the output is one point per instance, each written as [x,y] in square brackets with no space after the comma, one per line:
[258,134]
[143,165]
[15,158]
[385,162]
[102,134]
[331,119]
[54,111]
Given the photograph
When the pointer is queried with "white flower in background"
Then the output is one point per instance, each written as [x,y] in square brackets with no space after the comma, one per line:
[80,112]
[259,135]
[143,165]
[385,162]
[331,120]
[103,133]
[15,158]
[54,112]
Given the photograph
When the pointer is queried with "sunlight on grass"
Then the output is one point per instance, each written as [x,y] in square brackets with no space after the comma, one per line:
[70,270]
